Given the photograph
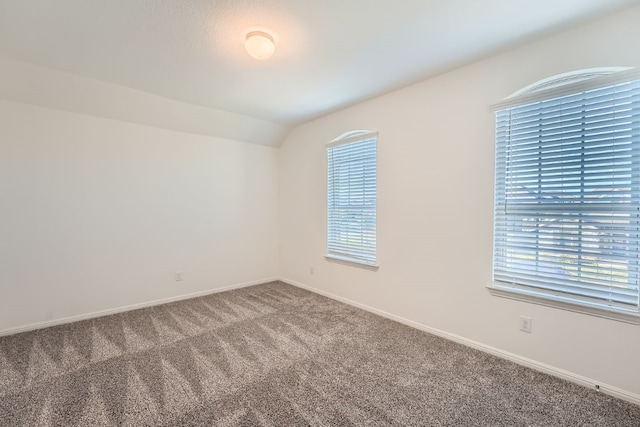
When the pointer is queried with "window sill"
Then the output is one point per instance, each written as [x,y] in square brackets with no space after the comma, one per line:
[549,302]
[351,262]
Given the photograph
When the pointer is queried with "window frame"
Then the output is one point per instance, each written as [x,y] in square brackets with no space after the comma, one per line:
[559,86]
[346,258]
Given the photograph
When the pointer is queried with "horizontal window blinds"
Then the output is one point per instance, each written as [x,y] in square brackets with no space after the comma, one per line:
[351,200]
[567,197]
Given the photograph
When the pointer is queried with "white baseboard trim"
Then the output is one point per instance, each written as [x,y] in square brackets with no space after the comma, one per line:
[520,360]
[86,316]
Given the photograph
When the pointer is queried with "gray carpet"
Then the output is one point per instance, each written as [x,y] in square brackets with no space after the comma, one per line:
[275,355]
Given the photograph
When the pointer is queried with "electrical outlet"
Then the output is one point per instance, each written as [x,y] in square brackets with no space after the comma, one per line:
[525,324]
[178,276]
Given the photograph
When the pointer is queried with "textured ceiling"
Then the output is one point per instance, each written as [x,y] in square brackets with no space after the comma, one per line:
[330,53]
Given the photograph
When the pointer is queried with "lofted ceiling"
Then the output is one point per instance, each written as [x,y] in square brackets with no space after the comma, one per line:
[329,53]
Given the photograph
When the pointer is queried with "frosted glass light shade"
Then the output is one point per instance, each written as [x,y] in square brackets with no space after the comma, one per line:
[259,45]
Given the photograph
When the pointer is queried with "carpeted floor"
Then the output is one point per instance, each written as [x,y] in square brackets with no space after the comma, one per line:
[276,355]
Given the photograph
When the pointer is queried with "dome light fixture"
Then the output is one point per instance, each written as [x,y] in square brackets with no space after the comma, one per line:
[259,45]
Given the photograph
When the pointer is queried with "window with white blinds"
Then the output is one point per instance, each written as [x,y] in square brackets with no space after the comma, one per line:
[352,198]
[567,193]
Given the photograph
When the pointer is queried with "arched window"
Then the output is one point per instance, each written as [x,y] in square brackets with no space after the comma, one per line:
[567,193]
[352,197]
[565,79]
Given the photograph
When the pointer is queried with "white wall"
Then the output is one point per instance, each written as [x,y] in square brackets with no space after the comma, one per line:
[97,214]
[36,85]
[435,207]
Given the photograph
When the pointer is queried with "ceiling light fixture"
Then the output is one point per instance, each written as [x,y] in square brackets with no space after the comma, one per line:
[259,45]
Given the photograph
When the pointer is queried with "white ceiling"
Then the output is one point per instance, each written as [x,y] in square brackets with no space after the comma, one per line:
[329,53]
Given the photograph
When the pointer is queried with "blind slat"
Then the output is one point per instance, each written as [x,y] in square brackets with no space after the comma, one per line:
[352,198]
[567,195]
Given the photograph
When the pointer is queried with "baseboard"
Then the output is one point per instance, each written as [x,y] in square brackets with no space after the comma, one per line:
[86,316]
[530,363]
